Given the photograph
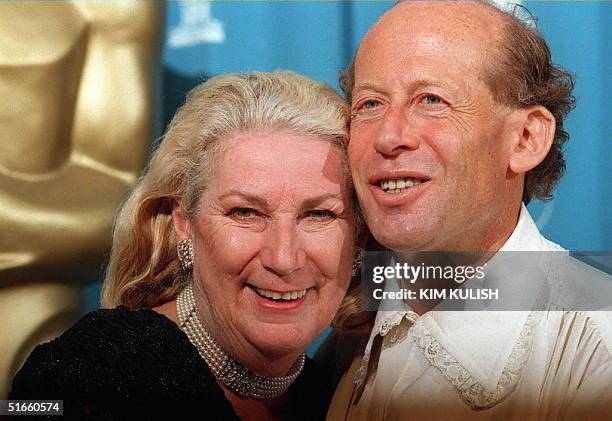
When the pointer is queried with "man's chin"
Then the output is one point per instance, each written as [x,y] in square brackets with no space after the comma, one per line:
[402,235]
[398,244]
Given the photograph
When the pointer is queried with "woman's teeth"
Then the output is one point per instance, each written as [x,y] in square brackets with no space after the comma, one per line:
[293,295]
[399,185]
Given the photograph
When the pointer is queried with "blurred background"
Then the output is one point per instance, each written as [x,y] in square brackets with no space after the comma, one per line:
[106,77]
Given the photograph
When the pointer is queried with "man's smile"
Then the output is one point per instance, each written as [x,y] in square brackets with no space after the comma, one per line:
[393,186]
[399,185]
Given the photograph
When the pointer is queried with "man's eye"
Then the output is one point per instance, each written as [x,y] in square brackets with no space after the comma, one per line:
[242,213]
[432,100]
[368,104]
[321,215]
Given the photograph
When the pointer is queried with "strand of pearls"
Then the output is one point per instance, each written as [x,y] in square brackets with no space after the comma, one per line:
[229,372]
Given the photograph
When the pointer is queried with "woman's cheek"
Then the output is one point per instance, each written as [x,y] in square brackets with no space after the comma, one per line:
[331,251]
[232,249]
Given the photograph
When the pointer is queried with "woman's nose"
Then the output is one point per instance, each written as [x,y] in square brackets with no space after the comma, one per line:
[282,251]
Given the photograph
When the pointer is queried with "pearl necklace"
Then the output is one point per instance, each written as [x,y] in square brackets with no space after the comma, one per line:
[229,372]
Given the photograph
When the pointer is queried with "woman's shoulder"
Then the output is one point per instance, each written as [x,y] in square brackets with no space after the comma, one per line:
[115,333]
[120,326]
[122,363]
[112,349]
[312,392]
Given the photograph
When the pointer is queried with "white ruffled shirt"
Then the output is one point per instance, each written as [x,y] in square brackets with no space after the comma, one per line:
[487,365]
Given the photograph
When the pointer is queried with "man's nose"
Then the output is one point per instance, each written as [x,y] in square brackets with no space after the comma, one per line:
[394,134]
[283,252]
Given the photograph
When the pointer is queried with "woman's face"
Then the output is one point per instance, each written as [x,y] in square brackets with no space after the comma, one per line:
[273,242]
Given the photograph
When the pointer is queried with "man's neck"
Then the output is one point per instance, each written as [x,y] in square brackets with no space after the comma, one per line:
[465,257]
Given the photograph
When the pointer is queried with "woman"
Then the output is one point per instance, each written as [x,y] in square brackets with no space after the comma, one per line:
[232,254]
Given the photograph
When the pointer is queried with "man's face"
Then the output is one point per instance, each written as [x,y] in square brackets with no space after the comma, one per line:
[423,115]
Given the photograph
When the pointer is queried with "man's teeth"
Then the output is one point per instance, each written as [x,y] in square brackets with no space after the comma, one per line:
[399,185]
[293,295]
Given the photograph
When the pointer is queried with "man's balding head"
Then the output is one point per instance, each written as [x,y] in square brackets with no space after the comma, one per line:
[448,115]
[517,67]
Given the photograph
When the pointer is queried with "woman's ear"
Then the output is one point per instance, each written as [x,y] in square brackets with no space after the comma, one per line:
[182,224]
[535,137]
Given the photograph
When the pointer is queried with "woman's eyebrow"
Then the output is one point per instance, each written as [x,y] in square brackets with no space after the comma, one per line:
[249,197]
[313,202]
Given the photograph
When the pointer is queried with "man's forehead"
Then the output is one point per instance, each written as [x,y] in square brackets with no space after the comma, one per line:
[468,11]
[448,37]
[461,22]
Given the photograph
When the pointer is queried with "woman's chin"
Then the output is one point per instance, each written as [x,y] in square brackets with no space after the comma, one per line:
[279,329]
[280,340]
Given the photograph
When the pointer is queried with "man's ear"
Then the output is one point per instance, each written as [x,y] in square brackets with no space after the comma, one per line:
[536,132]
[182,224]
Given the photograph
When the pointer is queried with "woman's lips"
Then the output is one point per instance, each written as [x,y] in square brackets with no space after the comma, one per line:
[275,295]
[276,300]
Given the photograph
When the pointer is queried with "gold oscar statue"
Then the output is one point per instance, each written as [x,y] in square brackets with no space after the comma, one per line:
[76,107]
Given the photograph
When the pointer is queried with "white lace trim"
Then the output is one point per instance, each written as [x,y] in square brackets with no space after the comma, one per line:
[472,392]
[382,326]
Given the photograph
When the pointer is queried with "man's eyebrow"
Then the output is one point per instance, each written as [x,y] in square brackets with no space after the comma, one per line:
[417,82]
[249,197]
[367,86]
[429,81]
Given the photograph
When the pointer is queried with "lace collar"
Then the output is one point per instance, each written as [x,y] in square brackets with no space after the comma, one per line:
[480,353]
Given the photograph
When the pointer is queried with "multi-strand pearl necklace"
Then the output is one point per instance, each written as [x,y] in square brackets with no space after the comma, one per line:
[229,372]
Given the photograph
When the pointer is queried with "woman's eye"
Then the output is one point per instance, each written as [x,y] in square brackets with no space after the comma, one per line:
[321,215]
[242,213]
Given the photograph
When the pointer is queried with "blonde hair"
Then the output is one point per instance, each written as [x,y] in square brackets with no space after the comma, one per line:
[144,270]
[351,319]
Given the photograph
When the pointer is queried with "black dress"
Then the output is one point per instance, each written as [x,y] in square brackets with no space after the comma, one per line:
[137,364]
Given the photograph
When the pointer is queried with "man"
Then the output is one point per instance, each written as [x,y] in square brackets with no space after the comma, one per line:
[457,120]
